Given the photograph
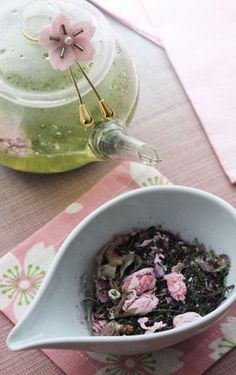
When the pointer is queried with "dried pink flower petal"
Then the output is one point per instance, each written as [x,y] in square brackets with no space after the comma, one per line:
[141,281]
[176,285]
[151,329]
[140,305]
[102,287]
[158,258]
[132,296]
[159,271]
[169,299]
[98,324]
[67,42]
[183,320]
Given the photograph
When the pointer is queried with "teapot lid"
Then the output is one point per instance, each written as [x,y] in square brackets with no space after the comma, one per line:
[26,75]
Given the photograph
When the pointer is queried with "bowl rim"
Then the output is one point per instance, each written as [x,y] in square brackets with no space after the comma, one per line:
[204,321]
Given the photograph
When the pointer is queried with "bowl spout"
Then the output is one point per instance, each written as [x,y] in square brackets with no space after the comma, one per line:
[56,314]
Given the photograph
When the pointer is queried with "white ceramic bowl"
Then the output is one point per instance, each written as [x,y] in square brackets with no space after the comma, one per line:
[56,317]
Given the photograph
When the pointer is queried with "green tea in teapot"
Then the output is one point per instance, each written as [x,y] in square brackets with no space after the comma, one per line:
[67,88]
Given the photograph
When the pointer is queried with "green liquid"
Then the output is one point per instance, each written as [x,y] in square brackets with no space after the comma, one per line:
[55,141]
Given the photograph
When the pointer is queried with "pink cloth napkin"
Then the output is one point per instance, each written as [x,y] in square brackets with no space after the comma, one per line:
[23,269]
[199,38]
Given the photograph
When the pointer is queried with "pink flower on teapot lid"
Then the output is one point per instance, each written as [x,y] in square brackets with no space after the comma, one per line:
[67,41]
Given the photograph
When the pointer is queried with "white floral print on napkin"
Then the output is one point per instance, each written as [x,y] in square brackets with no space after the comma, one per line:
[74,208]
[147,176]
[20,281]
[163,362]
[223,345]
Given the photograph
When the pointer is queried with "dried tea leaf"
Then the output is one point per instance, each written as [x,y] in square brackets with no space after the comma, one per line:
[88,285]
[127,261]
[113,258]
[223,263]
[204,275]
[108,272]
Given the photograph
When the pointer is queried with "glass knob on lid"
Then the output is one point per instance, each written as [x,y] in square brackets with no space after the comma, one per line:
[35,16]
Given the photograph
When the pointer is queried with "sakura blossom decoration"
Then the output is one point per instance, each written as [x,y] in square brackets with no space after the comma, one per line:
[69,43]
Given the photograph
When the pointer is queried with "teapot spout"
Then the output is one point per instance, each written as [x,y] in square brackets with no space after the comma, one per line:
[109,141]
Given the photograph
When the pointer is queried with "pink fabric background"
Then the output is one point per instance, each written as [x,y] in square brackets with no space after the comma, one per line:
[199,38]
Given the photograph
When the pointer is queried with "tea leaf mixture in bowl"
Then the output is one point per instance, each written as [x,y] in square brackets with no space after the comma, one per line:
[151,280]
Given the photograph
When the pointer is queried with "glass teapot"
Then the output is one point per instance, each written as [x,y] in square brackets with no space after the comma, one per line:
[68,88]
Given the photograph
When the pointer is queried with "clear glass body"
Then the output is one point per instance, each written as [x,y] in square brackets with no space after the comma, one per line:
[44,135]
